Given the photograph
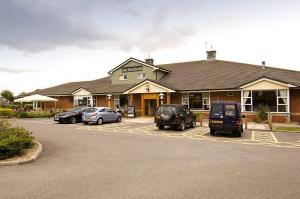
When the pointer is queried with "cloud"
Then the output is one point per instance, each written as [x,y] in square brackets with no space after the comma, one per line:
[12,70]
[39,25]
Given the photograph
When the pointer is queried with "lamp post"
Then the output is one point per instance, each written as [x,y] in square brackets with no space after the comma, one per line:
[161,97]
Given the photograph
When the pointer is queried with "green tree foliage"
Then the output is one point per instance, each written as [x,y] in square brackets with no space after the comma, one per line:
[8,95]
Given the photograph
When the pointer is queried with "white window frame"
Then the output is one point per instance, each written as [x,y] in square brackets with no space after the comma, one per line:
[277,101]
[89,99]
[242,101]
[185,99]
[143,77]
[208,100]
[122,77]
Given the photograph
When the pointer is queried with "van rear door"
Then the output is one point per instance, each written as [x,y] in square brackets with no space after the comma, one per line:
[231,116]
[217,115]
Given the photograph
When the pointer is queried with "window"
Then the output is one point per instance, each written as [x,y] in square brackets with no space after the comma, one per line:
[282,100]
[206,103]
[141,76]
[185,101]
[217,110]
[199,100]
[123,77]
[230,94]
[195,100]
[247,100]
[117,103]
[276,100]
[80,101]
[229,110]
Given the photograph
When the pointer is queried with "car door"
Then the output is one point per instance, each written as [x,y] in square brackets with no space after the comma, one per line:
[216,115]
[108,115]
[230,116]
[188,116]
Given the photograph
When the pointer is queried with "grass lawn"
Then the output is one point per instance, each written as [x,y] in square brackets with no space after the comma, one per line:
[287,129]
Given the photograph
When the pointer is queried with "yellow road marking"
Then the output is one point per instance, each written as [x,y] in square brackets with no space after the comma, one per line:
[252,136]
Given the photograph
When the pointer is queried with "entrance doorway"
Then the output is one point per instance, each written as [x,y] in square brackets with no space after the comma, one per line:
[150,106]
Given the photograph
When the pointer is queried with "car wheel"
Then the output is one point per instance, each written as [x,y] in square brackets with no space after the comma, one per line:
[119,119]
[161,127]
[182,125]
[100,121]
[73,120]
[212,132]
[193,125]
[237,133]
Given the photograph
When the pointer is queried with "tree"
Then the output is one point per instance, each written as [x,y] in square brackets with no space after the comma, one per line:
[8,95]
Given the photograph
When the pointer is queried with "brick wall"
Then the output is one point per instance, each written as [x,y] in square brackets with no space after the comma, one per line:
[64,102]
[223,96]
[101,100]
[175,98]
[295,105]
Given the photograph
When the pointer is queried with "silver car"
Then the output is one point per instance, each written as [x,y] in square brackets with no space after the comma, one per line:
[99,115]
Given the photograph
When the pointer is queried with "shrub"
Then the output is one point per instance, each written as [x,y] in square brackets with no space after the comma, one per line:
[6,112]
[263,112]
[34,114]
[197,114]
[13,141]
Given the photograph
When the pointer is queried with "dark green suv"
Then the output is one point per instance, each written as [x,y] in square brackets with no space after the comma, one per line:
[174,115]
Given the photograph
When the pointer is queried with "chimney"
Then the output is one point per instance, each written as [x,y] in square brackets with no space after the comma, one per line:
[263,63]
[149,61]
[211,55]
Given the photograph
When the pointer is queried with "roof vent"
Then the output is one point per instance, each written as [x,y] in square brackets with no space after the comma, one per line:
[149,61]
[211,55]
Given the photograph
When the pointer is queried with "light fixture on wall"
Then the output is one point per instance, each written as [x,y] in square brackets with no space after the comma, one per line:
[109,96]
[161,96]
[147,87]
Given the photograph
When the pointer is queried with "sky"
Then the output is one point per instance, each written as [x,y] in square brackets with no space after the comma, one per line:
[45,43]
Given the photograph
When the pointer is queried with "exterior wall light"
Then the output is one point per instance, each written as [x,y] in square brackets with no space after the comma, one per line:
[161,96]
[109,96]
[147,87]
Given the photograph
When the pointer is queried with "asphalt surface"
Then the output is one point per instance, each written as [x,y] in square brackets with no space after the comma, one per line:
[80,163]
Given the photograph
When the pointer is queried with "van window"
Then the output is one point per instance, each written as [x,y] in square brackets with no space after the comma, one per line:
[217,110]
[229,110]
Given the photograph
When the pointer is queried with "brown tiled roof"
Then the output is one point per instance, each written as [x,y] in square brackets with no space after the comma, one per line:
[98,86]
[217,75]
[185,76]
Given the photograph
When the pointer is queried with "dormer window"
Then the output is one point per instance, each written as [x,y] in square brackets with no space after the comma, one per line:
[141,76]
[123,77]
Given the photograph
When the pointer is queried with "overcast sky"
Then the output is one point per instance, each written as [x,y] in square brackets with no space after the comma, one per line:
[48,42]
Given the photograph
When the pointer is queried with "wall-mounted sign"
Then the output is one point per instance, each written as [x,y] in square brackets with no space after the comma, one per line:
[132,69]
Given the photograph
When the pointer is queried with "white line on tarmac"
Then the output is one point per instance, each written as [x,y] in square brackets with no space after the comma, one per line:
[273,136]
[252,136]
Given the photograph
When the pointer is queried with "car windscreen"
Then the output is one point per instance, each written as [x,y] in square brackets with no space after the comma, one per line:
[217,110]
[91,110]
[162,109]
[229,110]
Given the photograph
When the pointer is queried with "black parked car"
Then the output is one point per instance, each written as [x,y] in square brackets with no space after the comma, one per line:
[226,116]
[177,116]
[73,116]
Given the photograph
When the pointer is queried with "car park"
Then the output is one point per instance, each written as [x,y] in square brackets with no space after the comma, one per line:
[174,115]
[226,116]
[73,116]
[100,115]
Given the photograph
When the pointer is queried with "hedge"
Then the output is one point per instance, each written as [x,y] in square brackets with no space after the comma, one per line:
[13,141]
[6,112]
